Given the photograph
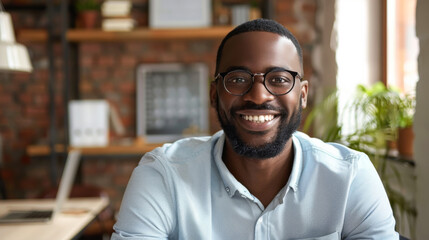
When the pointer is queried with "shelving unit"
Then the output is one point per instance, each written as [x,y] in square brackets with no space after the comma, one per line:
[71,37]
[49,37]
[79,35]
[141,34]
[98,35]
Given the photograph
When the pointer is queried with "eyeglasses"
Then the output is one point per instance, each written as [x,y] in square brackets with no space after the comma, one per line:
[278,81]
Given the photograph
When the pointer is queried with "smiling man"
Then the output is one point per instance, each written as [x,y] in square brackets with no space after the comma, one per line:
[258,178]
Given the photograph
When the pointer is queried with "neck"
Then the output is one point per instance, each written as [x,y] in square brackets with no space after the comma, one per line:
[264,178]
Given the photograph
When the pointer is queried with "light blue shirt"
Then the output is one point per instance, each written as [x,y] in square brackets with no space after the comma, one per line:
[184,191]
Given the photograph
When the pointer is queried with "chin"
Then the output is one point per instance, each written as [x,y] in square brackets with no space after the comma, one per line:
[269,149]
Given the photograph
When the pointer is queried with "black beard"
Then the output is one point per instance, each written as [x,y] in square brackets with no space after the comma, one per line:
[269,149]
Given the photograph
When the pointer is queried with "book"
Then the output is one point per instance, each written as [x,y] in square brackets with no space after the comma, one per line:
[116,15]
[116,8]
[118,24]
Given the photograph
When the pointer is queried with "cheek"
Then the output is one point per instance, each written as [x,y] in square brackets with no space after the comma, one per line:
[223,101]
[290,103]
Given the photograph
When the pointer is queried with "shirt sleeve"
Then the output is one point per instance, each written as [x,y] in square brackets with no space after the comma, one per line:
[147,207]
[368,212]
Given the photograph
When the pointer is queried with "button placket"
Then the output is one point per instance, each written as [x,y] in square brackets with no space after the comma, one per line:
[260,229]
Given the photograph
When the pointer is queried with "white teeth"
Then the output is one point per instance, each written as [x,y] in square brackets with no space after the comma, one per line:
[258,119]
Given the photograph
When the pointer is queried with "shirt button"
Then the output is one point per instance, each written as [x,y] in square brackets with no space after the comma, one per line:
[260,220]
[227,189]
[242,195]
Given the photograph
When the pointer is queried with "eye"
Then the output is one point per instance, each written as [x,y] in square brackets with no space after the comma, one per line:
[280,80]
[238,80]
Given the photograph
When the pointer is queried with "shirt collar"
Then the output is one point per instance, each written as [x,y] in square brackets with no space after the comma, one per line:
[295,175]
[231,184]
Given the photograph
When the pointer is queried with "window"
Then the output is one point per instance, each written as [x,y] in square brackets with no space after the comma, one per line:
[358,52]
[372,47]
[402,45]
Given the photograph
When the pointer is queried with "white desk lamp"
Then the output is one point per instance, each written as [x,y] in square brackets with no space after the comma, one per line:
[13,56]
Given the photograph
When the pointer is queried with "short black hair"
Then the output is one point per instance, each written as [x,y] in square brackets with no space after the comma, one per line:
[259,25]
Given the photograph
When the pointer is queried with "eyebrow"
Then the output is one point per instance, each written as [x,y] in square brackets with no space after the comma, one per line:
[232,68]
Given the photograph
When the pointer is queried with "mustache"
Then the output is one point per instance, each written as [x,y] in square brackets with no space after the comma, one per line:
[253,106]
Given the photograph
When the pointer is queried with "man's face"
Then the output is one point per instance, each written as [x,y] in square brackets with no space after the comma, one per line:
[240,116]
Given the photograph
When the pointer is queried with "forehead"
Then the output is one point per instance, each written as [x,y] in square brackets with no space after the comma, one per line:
[259,51]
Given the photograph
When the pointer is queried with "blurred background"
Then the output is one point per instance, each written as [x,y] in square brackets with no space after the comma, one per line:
[135,74]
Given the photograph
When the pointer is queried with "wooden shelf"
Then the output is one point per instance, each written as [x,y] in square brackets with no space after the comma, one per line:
[32,35]
[83,35]
[98,35]
[135,148]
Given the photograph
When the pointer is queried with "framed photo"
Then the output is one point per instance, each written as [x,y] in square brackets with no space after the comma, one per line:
[179,13]
[172,101]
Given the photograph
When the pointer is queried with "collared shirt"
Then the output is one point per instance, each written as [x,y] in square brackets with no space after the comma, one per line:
[184,191]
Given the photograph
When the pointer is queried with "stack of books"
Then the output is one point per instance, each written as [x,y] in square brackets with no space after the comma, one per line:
[116,15]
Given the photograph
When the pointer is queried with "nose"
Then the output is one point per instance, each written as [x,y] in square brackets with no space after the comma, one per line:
[258,94]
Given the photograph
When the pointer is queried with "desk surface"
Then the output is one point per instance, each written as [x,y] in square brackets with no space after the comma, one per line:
[76,215]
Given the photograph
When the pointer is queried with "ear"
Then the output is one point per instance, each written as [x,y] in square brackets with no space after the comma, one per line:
[213,94]
[304,93]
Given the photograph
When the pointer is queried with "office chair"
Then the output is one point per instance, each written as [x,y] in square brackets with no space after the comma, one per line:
[403,238]
[2,187]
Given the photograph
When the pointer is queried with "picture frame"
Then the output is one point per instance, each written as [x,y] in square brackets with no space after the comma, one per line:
[172,101]
[180,13]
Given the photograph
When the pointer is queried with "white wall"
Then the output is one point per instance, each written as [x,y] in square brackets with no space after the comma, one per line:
[421,123]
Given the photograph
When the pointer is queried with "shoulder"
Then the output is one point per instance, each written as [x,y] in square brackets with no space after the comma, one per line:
[330,150]
[333,156]
[178,158]
[183,151]
[162,178]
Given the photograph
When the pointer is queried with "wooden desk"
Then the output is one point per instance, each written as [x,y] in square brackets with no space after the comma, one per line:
[76,215]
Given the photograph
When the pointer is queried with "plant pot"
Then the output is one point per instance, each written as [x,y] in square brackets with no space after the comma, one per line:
[88,19]
[392,145]
[405,141]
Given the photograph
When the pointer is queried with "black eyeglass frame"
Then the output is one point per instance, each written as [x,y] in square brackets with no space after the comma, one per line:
[293,73]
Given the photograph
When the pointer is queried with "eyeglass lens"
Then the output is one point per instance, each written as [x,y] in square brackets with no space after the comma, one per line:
[276,82]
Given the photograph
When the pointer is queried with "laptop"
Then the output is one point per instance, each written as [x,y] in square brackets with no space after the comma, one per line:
[45,215]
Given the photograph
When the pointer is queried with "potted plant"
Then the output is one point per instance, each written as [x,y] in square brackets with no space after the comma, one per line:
[405,141]
[377,112]
[88,12]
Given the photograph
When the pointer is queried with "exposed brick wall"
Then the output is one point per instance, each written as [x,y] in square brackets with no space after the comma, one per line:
[112,174]
[24,120]
[107,71]
[109,67]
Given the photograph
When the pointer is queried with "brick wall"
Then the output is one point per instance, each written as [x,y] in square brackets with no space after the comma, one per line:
[107,71]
